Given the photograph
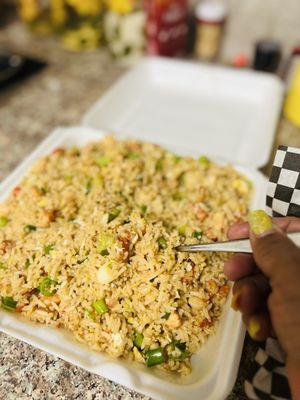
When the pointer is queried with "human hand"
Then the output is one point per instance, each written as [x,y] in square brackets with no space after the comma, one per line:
[267,285]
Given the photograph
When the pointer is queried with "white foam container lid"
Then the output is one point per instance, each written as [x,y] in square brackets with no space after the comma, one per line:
[217,110]
[151,99]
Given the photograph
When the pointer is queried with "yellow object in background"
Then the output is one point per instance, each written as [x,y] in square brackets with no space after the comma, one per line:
[86,37]
[86,7]
[29,10]
[292,103]
[58,12]
[121,6]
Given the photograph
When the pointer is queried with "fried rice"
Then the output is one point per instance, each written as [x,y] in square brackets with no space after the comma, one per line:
[87,244]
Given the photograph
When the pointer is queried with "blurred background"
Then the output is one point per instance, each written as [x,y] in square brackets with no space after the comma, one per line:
[57,57]
[75,49]
[88,24]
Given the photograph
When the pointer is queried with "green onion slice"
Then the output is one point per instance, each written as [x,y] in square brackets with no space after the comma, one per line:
[100,306]
[103,161]
[177,158]
[159,165]
[204,161]
[197,235]
[138,340]
[8,303]
[182,229]
[113,214]
[3,221]
[143,208]
[88,187]
[48,248]
[133,155]
[162,243]
[29,228]
[3,265]
[46,286]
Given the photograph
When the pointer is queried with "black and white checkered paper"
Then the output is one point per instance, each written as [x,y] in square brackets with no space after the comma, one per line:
[283,195]
[268,378]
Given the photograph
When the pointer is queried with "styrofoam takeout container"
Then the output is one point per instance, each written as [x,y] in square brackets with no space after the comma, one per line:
[153,102]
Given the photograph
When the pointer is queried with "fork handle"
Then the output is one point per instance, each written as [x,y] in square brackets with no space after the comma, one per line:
[232,246]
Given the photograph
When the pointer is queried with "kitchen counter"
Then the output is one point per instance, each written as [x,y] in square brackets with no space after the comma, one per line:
[59,95]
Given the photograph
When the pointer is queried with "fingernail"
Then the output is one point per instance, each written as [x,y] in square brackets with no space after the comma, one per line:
[253,327]
[235,300]
[260,223]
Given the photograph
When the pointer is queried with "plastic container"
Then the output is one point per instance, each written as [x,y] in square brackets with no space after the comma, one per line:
[215,110]
[131,107]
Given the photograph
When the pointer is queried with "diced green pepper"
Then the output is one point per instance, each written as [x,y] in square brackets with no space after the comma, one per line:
[8,303]
[29,228]
[138,340]
[48,248]
[154,357]
[46,285]
[197,235]
[113,214]
[3,221]
[166,315]
[162,243]
[103,161]
[100,306]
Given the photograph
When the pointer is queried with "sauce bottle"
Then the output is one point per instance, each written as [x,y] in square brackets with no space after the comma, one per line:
[166,27]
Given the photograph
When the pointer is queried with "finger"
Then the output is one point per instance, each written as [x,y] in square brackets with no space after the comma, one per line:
[239,266]
[258,325]
[293,370]
[288,224]
[273,251]
[249,294]
[240,230]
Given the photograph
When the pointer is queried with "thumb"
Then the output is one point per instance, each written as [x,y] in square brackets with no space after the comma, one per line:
[274,253]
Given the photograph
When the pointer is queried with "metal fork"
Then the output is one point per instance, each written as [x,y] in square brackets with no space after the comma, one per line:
[231,246]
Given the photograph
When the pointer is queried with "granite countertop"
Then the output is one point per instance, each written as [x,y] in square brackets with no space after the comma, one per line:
[59,95]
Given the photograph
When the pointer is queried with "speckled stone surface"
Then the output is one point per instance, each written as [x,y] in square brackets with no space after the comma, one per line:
[59,95]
